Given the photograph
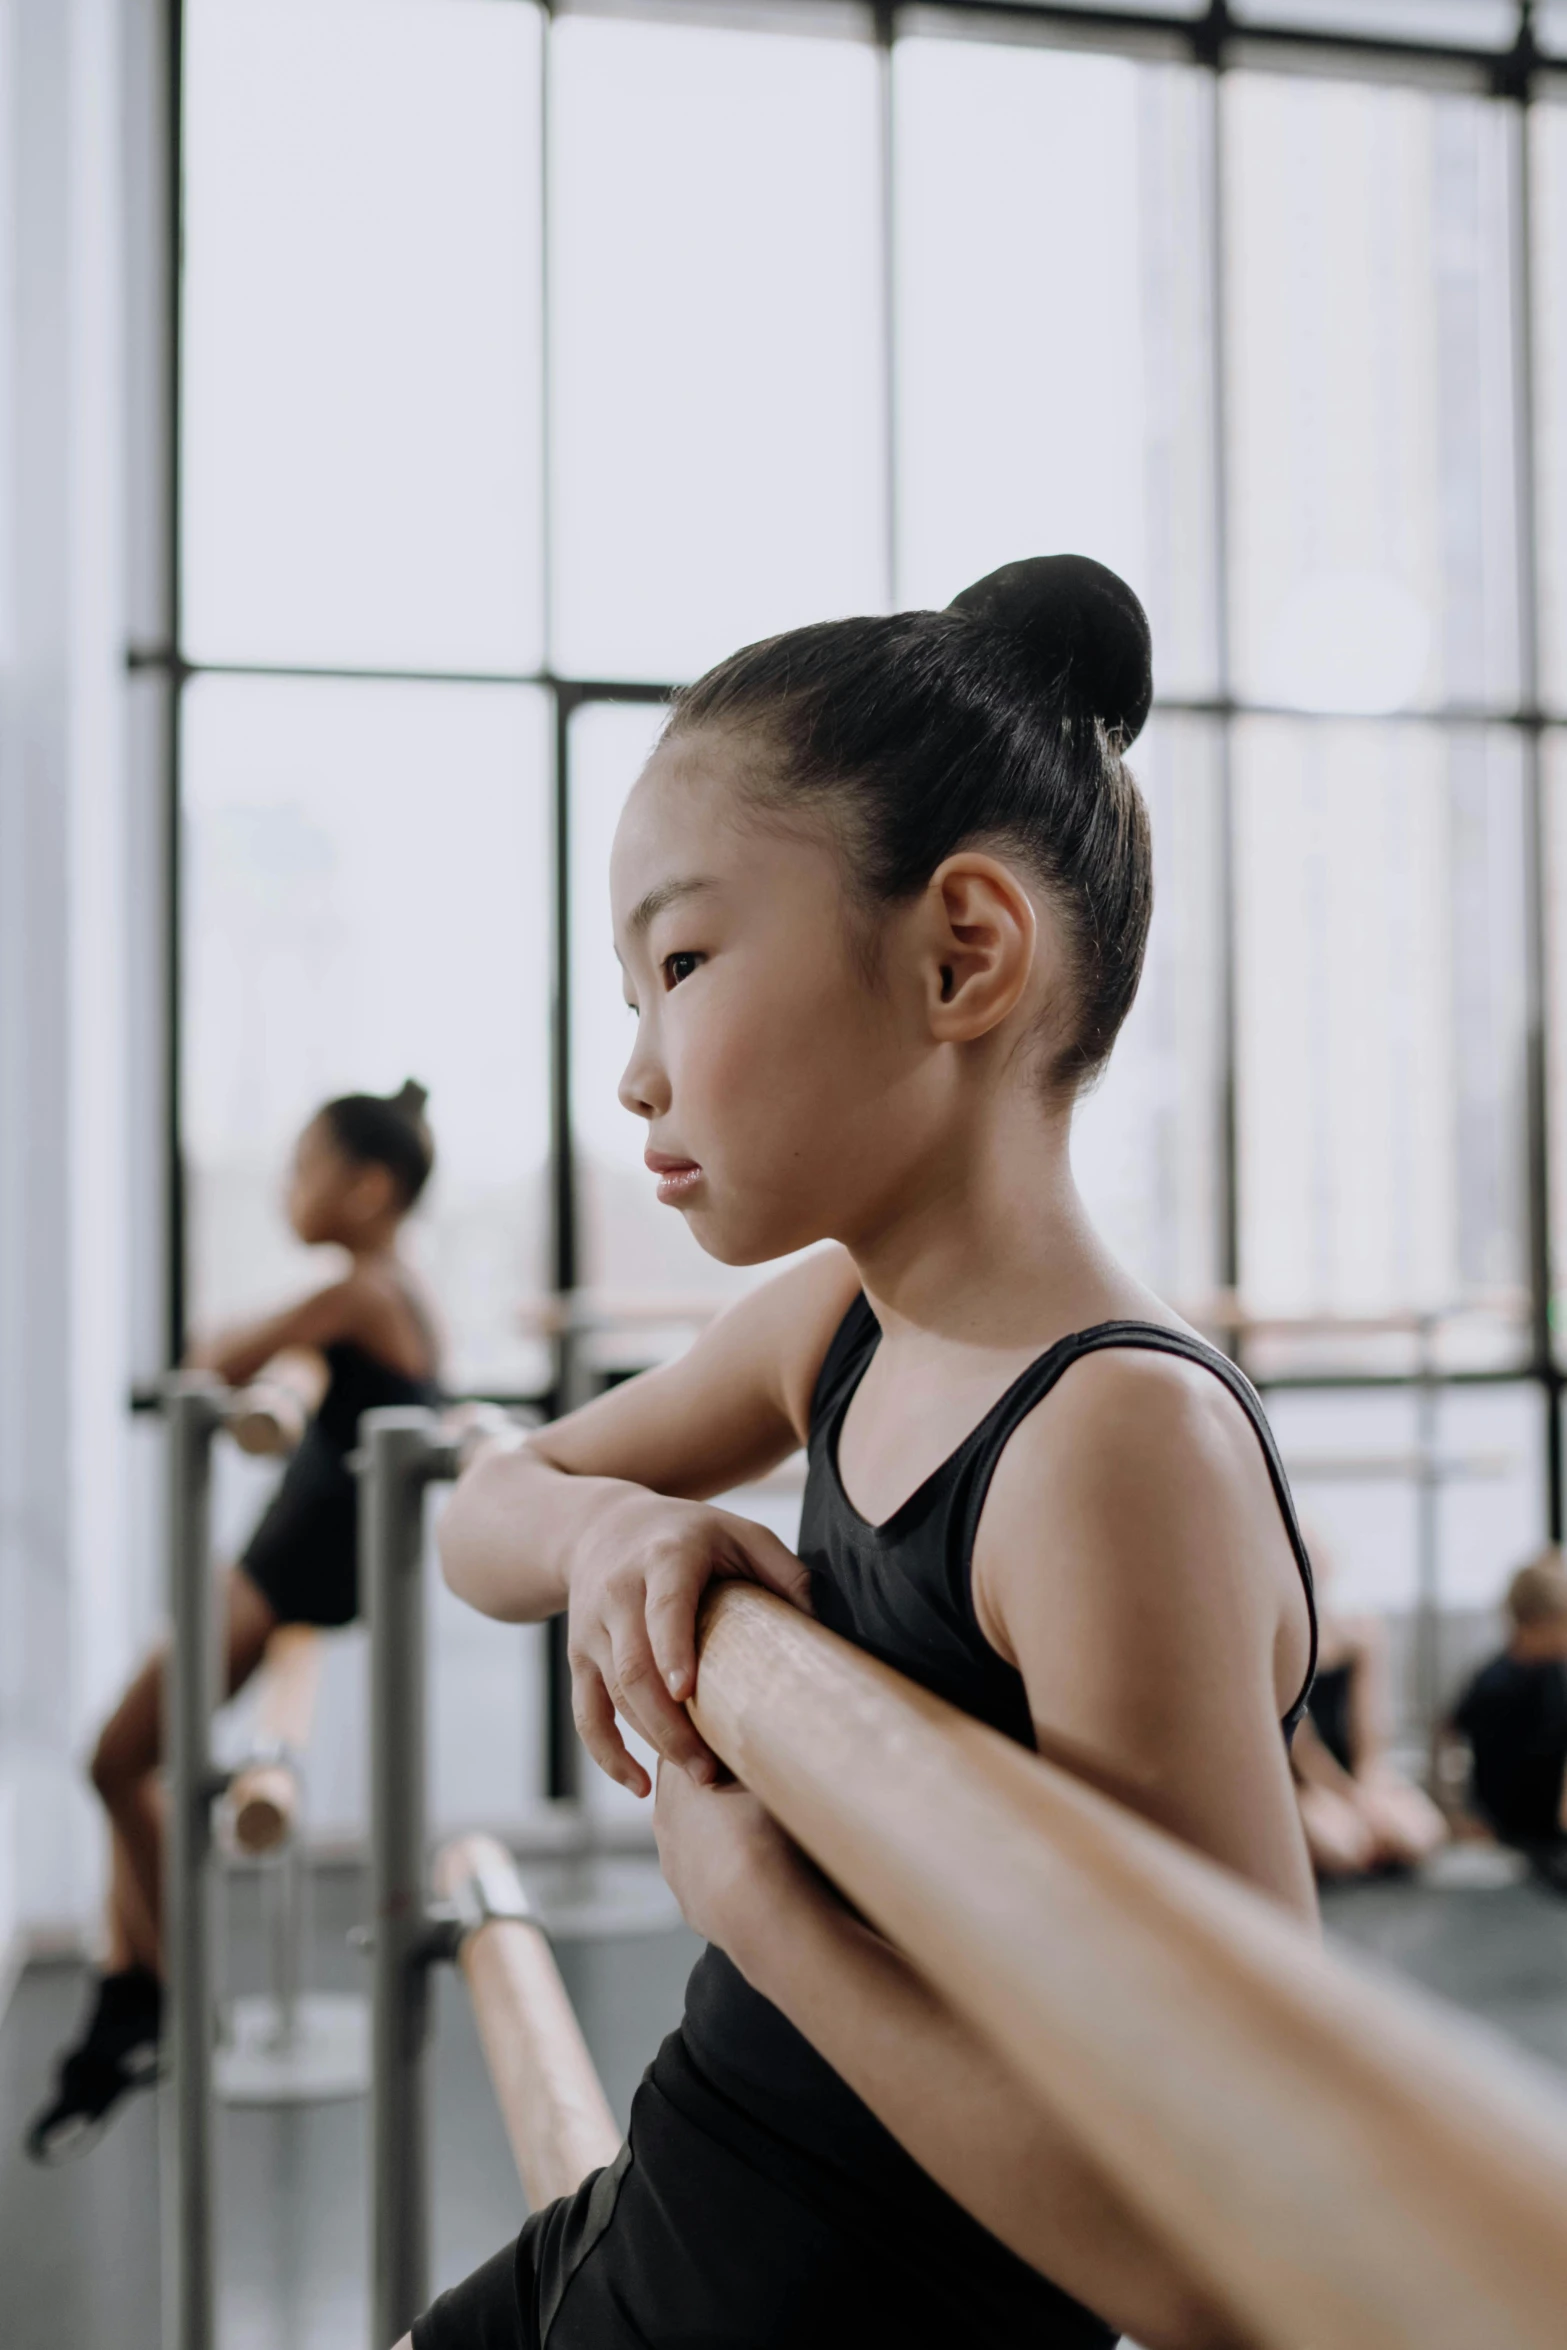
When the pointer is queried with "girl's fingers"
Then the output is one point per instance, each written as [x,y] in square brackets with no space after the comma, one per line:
[641,1694]
[593,1712]
[773,1563]
[671,1624]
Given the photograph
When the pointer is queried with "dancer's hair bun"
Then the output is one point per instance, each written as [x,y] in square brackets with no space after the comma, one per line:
[1083,629]
[411,1097]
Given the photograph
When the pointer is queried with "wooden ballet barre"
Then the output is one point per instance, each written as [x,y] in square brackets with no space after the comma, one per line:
[263,1796]
[1225,1309]
[1392,1468]
[556,2115]
[1341,2165]
[588,1312]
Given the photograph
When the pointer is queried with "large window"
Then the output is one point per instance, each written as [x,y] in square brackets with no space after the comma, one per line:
[531,361]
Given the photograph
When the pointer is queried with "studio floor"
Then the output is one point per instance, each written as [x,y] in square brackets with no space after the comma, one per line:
[79,2247]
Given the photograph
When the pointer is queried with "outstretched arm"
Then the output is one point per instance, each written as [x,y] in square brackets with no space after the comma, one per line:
[1162,1629]
[606,1512]
[237,1355]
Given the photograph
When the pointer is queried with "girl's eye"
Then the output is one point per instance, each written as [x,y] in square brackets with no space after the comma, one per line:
[678,967]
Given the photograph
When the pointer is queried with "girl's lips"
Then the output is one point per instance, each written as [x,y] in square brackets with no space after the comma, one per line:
[677,1178]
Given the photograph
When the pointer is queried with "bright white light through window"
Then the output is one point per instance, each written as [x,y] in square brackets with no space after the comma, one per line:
[717,420]
[1052,311]
[1370,402]
[367,899]
[1146,1140]
[1548,134]
[1380,994]
[362,378]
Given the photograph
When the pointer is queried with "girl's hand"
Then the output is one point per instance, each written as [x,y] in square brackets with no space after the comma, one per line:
[636,1581]
[729,1865]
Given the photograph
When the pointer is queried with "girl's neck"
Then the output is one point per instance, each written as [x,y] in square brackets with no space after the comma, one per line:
[1533,1644]
[372,1250]
[992,1247]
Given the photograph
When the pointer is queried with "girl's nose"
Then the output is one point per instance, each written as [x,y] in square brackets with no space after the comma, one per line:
[643,1089]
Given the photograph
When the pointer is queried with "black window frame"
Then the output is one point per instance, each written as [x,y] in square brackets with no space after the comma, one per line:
[1215,40]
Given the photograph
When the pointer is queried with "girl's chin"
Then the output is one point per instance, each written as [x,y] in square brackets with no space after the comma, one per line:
[720,1238]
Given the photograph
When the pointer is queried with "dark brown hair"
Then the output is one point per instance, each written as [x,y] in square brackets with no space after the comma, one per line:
[1003,719]
[1537,1594]
[386,1130]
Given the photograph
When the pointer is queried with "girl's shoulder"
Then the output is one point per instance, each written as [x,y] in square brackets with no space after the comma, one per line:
[385,1311]
[1138,1415]
[1170,1482]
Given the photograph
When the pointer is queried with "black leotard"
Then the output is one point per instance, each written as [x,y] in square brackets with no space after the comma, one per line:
[1514,1715]
[1329,1707]
[758,2202]
[304,1555]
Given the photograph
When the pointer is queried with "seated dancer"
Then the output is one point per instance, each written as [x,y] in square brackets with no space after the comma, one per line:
[1359,1812]
[367,1339]
[880,898]
[1514,1715]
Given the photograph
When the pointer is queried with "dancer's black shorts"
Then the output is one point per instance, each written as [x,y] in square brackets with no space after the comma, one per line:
[707,2234]
[304,1556]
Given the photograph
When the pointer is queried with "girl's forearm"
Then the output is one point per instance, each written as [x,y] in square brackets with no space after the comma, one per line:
[236,1355]
[949,2100]
[508,1533]
[239,1353]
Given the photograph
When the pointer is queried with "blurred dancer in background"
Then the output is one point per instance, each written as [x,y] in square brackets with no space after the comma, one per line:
[1360,1814]
[365,1340]
[1514,1716]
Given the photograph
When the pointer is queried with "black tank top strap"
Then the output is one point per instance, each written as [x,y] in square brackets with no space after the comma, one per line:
[1152,1338]
[853,1343]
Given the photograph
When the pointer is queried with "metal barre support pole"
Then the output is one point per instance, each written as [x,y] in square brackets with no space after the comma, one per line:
[399,1455]
[193,1412]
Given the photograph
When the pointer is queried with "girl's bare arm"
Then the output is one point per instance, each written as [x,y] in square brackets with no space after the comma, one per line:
[1162,1630]
[596,1511]
[369,1305]
[238,1355]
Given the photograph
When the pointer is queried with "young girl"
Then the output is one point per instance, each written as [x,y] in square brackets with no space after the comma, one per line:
[358,1168]
[1513,1712]
[1360,1814]
[881,898]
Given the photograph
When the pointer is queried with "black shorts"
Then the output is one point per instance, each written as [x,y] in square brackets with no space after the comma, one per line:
[705,2234]
[304,1556]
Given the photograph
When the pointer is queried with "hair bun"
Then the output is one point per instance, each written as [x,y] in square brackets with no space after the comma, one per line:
[411,1097]
[1078,619]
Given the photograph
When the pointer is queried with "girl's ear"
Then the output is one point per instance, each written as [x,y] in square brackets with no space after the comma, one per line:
[980,946]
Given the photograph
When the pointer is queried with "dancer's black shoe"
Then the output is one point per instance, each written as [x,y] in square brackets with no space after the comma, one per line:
[117,2053]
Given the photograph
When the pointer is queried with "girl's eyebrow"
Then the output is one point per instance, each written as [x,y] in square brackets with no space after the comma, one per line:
[662,894]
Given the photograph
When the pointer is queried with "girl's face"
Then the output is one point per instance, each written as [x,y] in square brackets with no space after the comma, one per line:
[788,1097]
[332,1197]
